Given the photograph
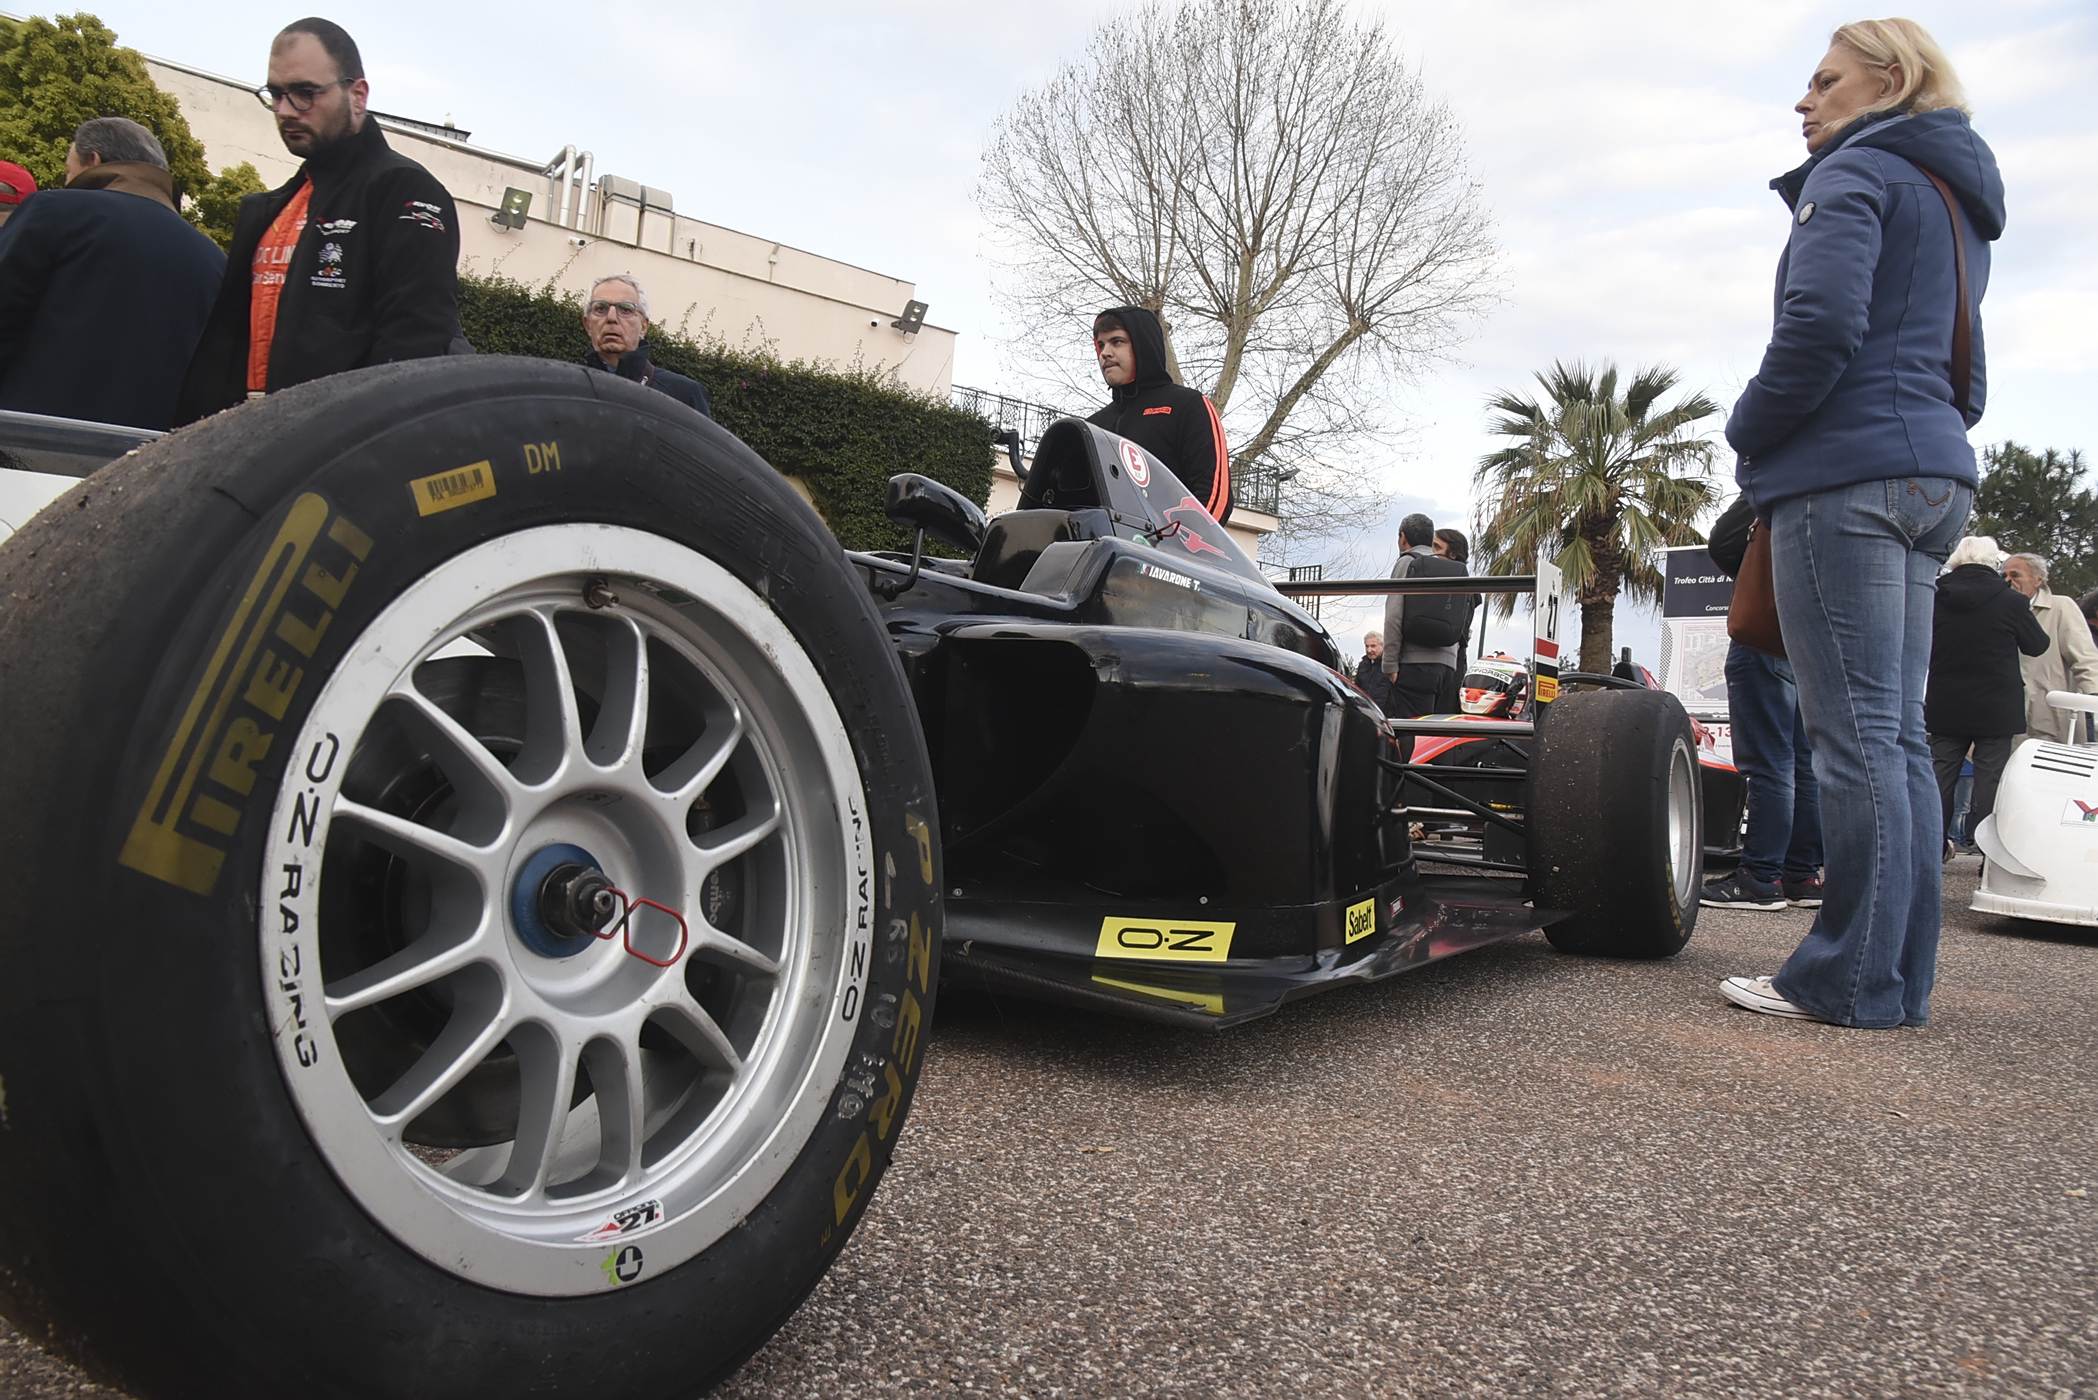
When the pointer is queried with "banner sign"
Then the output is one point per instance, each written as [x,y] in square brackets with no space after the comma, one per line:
[1695,594]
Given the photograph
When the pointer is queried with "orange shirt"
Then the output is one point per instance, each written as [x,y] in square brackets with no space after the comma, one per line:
[272,262]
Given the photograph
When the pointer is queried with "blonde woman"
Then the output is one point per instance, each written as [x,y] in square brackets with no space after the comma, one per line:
[1852,440]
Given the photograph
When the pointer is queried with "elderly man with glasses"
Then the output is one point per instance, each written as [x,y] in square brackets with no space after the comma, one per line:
[354,262]
[615,318]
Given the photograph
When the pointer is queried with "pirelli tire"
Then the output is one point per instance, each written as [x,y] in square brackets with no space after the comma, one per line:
[314,715]
[1615,823]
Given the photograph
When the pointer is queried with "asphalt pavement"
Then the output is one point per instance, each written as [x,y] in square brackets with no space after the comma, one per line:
[1514,1173]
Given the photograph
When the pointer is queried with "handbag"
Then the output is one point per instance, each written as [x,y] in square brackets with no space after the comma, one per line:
[1751,618]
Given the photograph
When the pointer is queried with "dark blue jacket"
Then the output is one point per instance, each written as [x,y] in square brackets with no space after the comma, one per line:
[1857,382]
[103,294]
[638,367]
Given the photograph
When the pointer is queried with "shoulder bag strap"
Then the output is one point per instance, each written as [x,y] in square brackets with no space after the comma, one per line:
[1962,327]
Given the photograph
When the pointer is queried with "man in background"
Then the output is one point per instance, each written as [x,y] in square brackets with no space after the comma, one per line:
[1369,672]
[104,287]
[1422,630]
[353,262]
[2070,661]
[1781,849]
[615,319]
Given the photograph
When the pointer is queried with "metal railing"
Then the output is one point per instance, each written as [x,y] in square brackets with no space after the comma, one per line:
[1308,573]
[1030,419]
[1257,488]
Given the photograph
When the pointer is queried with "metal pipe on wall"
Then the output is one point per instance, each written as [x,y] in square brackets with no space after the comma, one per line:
[562,171]
[582,195]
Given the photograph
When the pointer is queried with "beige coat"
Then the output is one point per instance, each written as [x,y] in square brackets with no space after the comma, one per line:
[2069,663]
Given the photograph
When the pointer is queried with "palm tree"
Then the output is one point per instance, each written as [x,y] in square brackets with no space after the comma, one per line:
[1599,481]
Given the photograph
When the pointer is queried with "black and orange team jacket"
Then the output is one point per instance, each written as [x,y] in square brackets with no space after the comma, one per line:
[1177,425]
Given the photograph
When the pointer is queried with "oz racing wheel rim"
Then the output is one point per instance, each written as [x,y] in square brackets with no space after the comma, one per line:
[563,964]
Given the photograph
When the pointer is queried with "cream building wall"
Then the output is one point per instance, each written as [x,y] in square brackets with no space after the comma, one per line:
[702,279]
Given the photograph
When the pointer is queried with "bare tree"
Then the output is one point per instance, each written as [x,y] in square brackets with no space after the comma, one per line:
[1270,178]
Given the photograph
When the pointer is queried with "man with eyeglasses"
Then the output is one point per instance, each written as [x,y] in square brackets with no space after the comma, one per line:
[354,262]
[615,318]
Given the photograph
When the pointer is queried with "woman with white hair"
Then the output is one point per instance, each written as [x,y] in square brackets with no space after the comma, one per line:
[1852,445]
[1976,698]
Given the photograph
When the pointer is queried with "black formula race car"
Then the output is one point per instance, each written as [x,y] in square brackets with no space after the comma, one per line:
[485,860]
[1160,795]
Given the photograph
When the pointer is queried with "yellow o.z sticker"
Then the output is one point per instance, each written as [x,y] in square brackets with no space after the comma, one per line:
[1164,940]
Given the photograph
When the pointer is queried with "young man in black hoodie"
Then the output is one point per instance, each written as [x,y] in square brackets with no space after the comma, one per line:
[1177,425]
[353,263]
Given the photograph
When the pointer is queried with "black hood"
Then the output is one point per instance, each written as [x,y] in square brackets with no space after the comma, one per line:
[1148,339]
[1971,586]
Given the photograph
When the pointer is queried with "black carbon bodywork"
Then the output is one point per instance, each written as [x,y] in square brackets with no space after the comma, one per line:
[1158,792]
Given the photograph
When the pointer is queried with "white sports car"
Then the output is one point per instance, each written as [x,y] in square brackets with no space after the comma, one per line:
[2041,842]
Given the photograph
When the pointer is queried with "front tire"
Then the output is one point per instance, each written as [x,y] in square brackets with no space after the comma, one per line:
[306,1090]
[1616,823]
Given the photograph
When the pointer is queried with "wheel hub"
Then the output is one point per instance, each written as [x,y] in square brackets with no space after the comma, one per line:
[559,901]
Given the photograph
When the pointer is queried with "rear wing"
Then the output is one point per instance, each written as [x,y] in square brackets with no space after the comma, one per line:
[1547,616]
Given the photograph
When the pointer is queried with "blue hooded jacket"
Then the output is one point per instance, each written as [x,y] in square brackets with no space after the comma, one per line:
[1857,382]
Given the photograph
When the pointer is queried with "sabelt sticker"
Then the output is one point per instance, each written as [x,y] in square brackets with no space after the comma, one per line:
[1165,940]
[1362,920]
[2079,813]
[1139,467]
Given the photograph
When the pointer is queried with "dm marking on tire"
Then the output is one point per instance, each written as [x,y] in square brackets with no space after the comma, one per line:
[1164,940]
[207,775]
[1362,920]
[449,490]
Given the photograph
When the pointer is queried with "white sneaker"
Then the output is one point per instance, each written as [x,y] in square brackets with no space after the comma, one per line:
[1757,994]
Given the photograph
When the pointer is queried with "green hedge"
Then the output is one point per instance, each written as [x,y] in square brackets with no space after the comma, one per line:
[844,433]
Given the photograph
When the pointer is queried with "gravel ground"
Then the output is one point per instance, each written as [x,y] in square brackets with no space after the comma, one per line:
[1514,1173]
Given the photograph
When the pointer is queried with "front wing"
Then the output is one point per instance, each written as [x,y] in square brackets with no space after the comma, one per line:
[1214,967]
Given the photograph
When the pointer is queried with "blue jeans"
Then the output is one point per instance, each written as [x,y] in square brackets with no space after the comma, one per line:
[1772,753]
[1857,573]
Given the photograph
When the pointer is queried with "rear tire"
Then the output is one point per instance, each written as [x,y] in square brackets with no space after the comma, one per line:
[292,701]
[1616,823]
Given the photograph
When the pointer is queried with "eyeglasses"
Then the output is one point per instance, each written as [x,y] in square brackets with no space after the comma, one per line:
[625,310]
[301,96]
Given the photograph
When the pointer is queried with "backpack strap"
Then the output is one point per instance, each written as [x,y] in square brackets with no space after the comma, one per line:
[1962,326]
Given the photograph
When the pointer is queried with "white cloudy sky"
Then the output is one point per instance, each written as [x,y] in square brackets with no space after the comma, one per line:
[1624,145]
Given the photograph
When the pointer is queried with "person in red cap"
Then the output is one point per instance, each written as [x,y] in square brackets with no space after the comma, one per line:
[16,185]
